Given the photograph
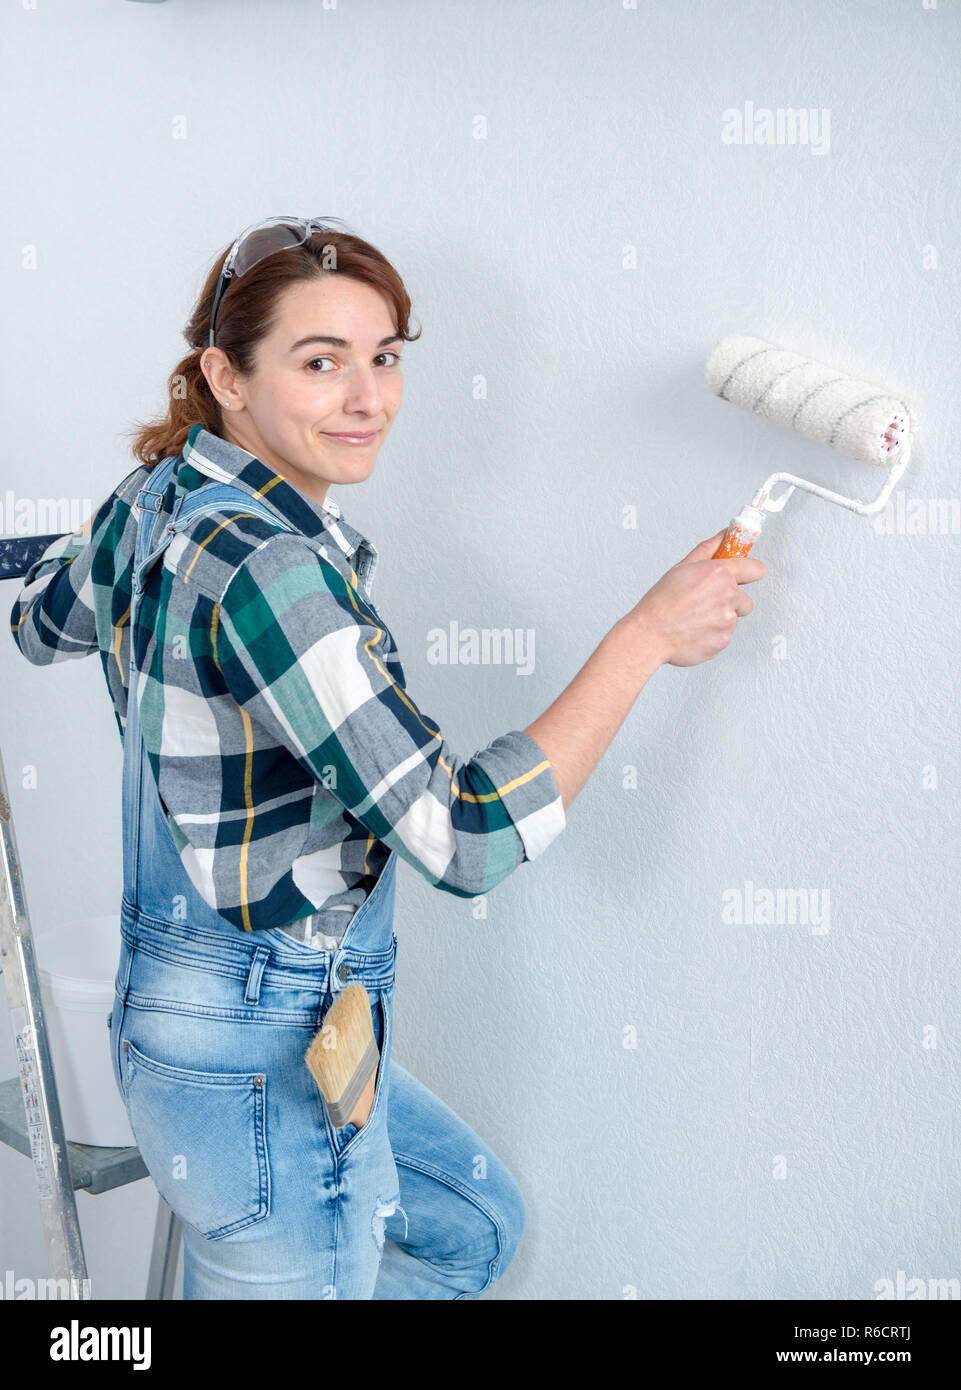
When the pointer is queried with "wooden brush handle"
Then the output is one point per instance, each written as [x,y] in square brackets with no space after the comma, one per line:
[365,1104]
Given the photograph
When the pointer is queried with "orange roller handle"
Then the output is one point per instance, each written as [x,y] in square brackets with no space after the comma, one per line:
[740,535]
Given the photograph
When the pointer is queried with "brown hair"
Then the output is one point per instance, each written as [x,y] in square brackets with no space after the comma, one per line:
[245,315]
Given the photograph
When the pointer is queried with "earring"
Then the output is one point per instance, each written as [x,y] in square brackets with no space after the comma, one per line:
[226,403]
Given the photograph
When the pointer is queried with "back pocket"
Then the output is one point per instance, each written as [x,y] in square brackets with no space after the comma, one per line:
[203,1138]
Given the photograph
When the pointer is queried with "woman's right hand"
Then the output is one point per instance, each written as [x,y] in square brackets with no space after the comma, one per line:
[691,612]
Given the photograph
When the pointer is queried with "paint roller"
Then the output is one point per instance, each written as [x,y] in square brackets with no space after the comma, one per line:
[862,421]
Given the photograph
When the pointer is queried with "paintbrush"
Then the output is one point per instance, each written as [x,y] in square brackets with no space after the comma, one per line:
[343,1058]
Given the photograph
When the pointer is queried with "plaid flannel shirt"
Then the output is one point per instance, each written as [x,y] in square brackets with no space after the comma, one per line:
[289,756]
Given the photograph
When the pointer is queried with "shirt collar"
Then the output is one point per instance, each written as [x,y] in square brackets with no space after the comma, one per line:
[218,458]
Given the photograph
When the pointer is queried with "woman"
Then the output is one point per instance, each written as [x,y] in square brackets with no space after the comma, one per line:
[275,767]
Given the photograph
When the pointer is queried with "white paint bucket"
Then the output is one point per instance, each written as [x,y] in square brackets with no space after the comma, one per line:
[77,965]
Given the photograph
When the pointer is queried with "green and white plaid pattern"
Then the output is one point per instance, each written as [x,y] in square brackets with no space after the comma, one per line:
[289,756]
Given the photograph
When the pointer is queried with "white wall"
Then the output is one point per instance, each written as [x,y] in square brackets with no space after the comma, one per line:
[786,1125]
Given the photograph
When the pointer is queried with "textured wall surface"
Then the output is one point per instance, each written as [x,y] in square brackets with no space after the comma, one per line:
[698,1101]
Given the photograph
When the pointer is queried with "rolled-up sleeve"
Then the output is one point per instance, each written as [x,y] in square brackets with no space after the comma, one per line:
[53,617]
[308,659]
[522,774]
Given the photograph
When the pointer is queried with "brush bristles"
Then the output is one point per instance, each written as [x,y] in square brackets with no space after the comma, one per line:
[343,1054]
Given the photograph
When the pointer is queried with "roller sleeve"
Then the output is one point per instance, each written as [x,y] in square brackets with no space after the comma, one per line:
[862,421]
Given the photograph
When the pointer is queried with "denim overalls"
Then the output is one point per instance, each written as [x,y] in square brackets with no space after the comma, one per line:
[208,1034]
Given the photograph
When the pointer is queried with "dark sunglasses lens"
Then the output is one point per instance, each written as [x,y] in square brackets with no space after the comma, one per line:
[264,242]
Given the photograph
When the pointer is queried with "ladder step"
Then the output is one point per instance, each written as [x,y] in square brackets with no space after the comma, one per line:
[92,1168]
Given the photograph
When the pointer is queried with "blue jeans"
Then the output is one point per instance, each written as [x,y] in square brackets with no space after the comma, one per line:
[208,1033]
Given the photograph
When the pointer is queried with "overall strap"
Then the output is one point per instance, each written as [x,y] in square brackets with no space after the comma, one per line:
[211,497]
[203,501]
[151,499]
[218,497]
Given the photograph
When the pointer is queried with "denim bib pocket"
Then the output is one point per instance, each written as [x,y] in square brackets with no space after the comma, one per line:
[203,1139]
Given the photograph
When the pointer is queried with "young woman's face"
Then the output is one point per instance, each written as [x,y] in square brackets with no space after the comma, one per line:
[307,388]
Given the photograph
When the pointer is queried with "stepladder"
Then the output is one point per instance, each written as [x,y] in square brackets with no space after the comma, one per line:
[30,1113]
